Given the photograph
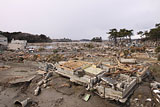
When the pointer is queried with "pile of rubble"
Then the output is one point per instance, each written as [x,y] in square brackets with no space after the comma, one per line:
[156,91]
[3,67]
[111,72]
[115,82]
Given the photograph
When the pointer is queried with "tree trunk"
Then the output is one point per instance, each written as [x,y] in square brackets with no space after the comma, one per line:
[115,41]
[130,39]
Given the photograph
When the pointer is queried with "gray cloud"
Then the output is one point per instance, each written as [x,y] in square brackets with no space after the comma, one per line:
[77,19]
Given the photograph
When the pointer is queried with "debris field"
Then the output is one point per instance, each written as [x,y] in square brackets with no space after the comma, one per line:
[79,74]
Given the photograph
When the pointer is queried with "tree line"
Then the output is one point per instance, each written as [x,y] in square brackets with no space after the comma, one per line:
[114,34]
[26,36]
[152,34]
[96,39]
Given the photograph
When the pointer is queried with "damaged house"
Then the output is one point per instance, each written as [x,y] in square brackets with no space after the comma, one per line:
[17,44]
[3,40]
[79,71]
[115,85]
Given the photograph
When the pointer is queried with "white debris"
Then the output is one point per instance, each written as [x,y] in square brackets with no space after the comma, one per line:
[148,99]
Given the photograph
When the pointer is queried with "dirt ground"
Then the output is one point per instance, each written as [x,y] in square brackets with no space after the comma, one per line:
[60,92]
[55,95]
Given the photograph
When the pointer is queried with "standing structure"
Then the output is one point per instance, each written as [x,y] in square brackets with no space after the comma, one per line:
[17,44]
[3,40]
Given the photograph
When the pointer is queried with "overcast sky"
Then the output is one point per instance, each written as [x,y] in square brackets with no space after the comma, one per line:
[77,19]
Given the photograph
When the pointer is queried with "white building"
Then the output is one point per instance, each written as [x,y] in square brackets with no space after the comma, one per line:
[3,40]
[17,44]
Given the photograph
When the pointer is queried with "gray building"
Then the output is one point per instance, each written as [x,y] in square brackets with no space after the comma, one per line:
[3,40]
[17,44]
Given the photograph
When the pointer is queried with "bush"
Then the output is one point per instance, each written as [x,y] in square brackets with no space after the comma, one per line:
[55,51]
[157,49]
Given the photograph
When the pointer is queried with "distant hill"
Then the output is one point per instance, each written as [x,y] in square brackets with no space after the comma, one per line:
[97,39]
[31,38]
[85,40]
[62,40]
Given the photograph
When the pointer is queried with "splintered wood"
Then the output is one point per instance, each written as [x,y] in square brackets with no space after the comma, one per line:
[124,68]
[74,64]
[5,67]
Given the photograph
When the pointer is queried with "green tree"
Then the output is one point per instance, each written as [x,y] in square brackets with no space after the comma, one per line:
[155,33]
[125,33]
[113,34]
[122,33]
[97,39]
[129,34]
[141,34]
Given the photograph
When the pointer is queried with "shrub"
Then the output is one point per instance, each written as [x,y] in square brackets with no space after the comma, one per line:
[157,49]
[55,51]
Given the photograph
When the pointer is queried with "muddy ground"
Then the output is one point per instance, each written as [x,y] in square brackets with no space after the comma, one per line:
[60,92]
[69,96]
